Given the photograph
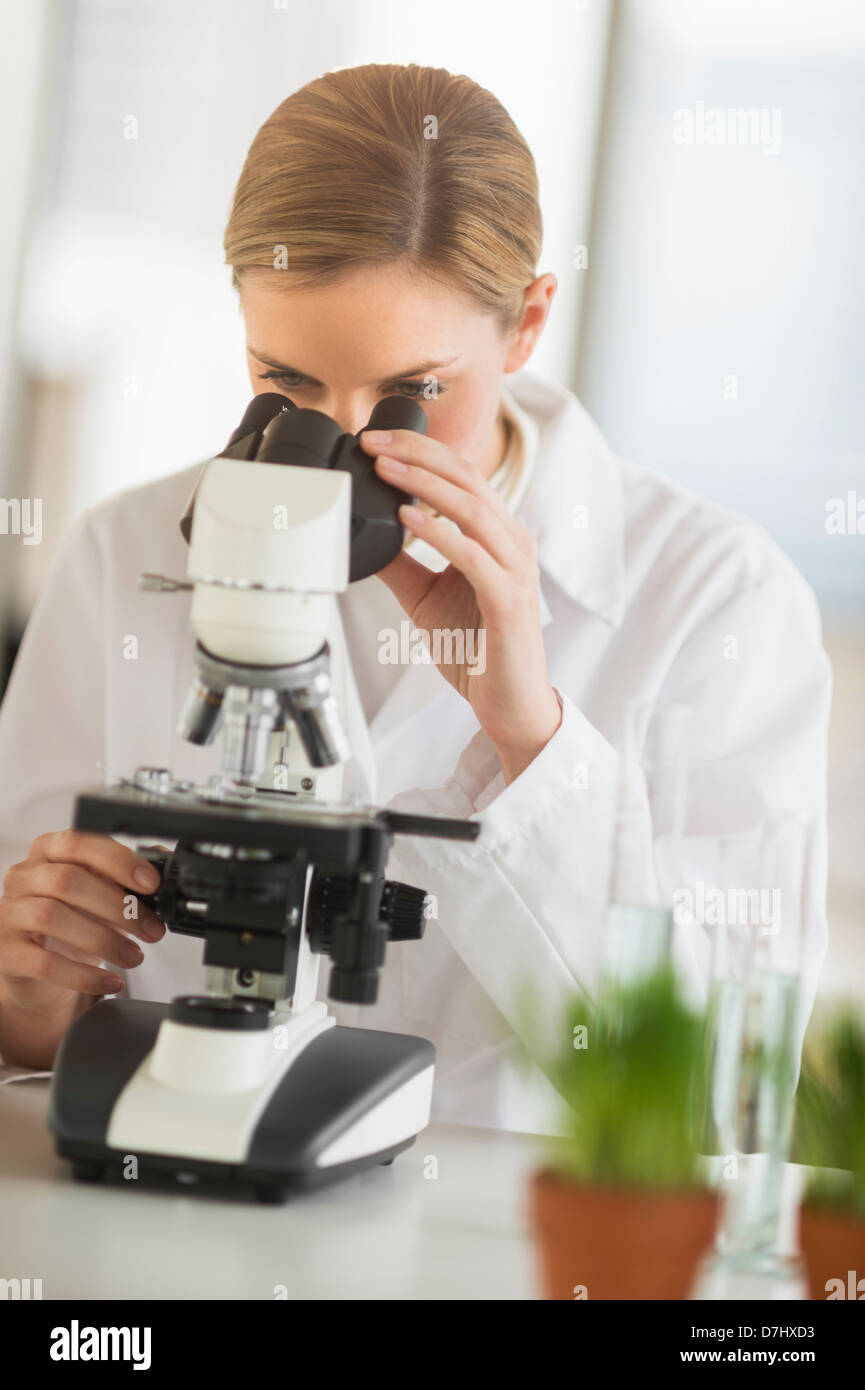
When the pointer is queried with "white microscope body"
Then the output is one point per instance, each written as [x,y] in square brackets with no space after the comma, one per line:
[254,1081]
[269,551]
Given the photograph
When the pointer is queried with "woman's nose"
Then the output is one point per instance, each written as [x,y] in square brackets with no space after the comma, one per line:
[353,417]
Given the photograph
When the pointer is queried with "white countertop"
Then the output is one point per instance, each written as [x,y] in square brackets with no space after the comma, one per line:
[391,1233]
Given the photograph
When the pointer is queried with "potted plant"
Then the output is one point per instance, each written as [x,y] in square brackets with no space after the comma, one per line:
[830,1137]
[619,1207]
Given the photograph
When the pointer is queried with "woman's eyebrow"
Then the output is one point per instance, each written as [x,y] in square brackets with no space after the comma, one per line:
[410,371]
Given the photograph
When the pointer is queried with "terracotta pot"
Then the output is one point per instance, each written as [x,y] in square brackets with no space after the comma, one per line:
[833,1245]
[619,1242]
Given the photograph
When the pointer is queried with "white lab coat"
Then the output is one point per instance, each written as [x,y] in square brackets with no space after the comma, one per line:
[642,586]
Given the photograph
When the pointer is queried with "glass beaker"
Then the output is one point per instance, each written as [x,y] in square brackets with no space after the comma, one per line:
[752,1038]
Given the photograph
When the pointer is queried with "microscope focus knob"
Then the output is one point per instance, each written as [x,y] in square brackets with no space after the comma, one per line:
[353,986]
[403,908]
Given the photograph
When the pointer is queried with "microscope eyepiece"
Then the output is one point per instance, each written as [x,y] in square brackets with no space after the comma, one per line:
[397,413]
[305,437]
[257,416]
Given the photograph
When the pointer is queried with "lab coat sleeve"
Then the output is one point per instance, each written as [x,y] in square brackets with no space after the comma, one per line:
[52,714]
[523,905]
[526,902]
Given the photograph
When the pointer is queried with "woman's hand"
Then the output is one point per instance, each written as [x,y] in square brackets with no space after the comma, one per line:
[80,890]
[488,593]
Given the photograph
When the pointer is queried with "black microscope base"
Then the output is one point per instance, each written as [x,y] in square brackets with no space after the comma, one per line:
[341,1075]
[97,1163]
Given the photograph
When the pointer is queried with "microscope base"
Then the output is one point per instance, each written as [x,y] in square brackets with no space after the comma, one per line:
[352,1099]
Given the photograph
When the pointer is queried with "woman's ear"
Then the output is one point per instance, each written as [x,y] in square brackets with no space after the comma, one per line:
[538,299]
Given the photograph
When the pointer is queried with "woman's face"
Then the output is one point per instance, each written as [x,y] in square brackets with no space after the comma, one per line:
[382,331]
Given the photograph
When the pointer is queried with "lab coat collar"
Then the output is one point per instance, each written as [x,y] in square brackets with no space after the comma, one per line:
[575,503]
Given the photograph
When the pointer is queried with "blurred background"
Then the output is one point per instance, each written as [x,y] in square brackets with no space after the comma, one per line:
[701,183]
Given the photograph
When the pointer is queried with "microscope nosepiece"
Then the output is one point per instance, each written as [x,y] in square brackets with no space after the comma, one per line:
[251,715]
[201,715]
[315,711]
[253,702]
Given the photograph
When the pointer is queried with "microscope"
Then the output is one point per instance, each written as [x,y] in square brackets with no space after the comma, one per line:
[252,1083]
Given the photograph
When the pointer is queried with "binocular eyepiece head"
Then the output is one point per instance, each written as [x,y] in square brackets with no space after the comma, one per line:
[309,429]
[275,430]
[250,701]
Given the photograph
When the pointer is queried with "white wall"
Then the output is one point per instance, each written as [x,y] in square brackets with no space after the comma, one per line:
[28,105]
[723,340]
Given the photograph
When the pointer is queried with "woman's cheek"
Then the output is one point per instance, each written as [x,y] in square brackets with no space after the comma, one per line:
[463,423]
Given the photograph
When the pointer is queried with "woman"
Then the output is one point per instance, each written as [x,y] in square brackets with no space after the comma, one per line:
[384,239]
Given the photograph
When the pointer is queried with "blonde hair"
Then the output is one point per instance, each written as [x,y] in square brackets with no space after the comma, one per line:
[387,162]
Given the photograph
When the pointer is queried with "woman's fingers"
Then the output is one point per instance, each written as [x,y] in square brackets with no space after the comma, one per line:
[435,474]
[48,917]
[99,852]
[431,454]
[475,518]
[68,907]
[22,959]
[490,582]
[92,872]
[83,888]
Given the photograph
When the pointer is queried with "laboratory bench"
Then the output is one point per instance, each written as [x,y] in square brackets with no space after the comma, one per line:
[447,1220]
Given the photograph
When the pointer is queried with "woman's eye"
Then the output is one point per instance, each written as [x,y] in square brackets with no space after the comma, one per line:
[408,388]
[281,378]
[412,389]
[420,388]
